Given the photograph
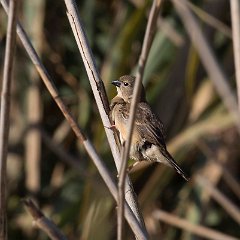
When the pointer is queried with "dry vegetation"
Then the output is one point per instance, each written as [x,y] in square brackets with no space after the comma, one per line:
[191,78]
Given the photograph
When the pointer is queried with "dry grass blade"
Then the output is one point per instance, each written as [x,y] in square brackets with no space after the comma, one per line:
[217,122]
[212,21]
[148,37]
[100,96]
[42,222]
[231,182]
[230,208]
[235,14]
[34,20]
[137,229]
[5,109]
[170,32]
[193,228]
[208,59]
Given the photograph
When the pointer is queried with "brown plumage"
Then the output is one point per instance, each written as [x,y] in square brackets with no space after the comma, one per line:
[148,142]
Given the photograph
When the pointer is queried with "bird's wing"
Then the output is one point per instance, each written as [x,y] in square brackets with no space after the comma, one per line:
[149,126]
[151,129]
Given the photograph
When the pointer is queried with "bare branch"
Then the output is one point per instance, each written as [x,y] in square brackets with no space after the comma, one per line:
[208,59]
[133,222]
[193,228]
[5,109]
[150,30]
[100,96]
[235,15]
[42,222]
[93,75]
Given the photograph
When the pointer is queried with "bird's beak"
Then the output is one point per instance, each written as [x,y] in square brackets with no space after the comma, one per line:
[117,83]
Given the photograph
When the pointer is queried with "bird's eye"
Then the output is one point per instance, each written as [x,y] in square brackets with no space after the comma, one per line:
[125,84]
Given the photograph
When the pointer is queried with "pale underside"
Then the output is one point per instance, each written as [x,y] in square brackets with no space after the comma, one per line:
[137,152]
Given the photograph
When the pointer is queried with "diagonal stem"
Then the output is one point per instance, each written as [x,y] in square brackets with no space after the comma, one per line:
[42,222]
[133,222]
[148,38]
[196,229]
[5,109]
[235,15]
[224,201]
[208,59]
[100,96]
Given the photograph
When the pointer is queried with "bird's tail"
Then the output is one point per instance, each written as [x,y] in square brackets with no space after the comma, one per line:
[178,169]
[173,164]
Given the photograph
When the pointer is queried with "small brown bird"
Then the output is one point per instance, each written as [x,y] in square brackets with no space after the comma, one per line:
[148,142]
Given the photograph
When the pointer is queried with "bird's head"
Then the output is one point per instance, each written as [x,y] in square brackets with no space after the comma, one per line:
[125,86]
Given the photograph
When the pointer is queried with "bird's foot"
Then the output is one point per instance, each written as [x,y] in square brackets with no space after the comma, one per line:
[132,166]
[111,127]
[128,170]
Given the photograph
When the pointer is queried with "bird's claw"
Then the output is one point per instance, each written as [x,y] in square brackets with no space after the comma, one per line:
[111,127]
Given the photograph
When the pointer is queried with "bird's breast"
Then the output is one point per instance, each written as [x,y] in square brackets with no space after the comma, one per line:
[120,121]
[120,118]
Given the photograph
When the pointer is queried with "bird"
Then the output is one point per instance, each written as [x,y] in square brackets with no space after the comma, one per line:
[148,139]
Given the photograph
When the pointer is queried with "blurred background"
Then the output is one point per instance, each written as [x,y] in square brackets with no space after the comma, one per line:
[47,163]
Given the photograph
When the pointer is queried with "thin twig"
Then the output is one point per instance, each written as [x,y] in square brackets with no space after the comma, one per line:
[132,220]
[230,208]
[5,110]
[147,42]
[193,228]
[62,154]
[130,216]
[100,96]
[42,222]
[208,59]
[235,15]
[120,209]
[67,158]
[93,75]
